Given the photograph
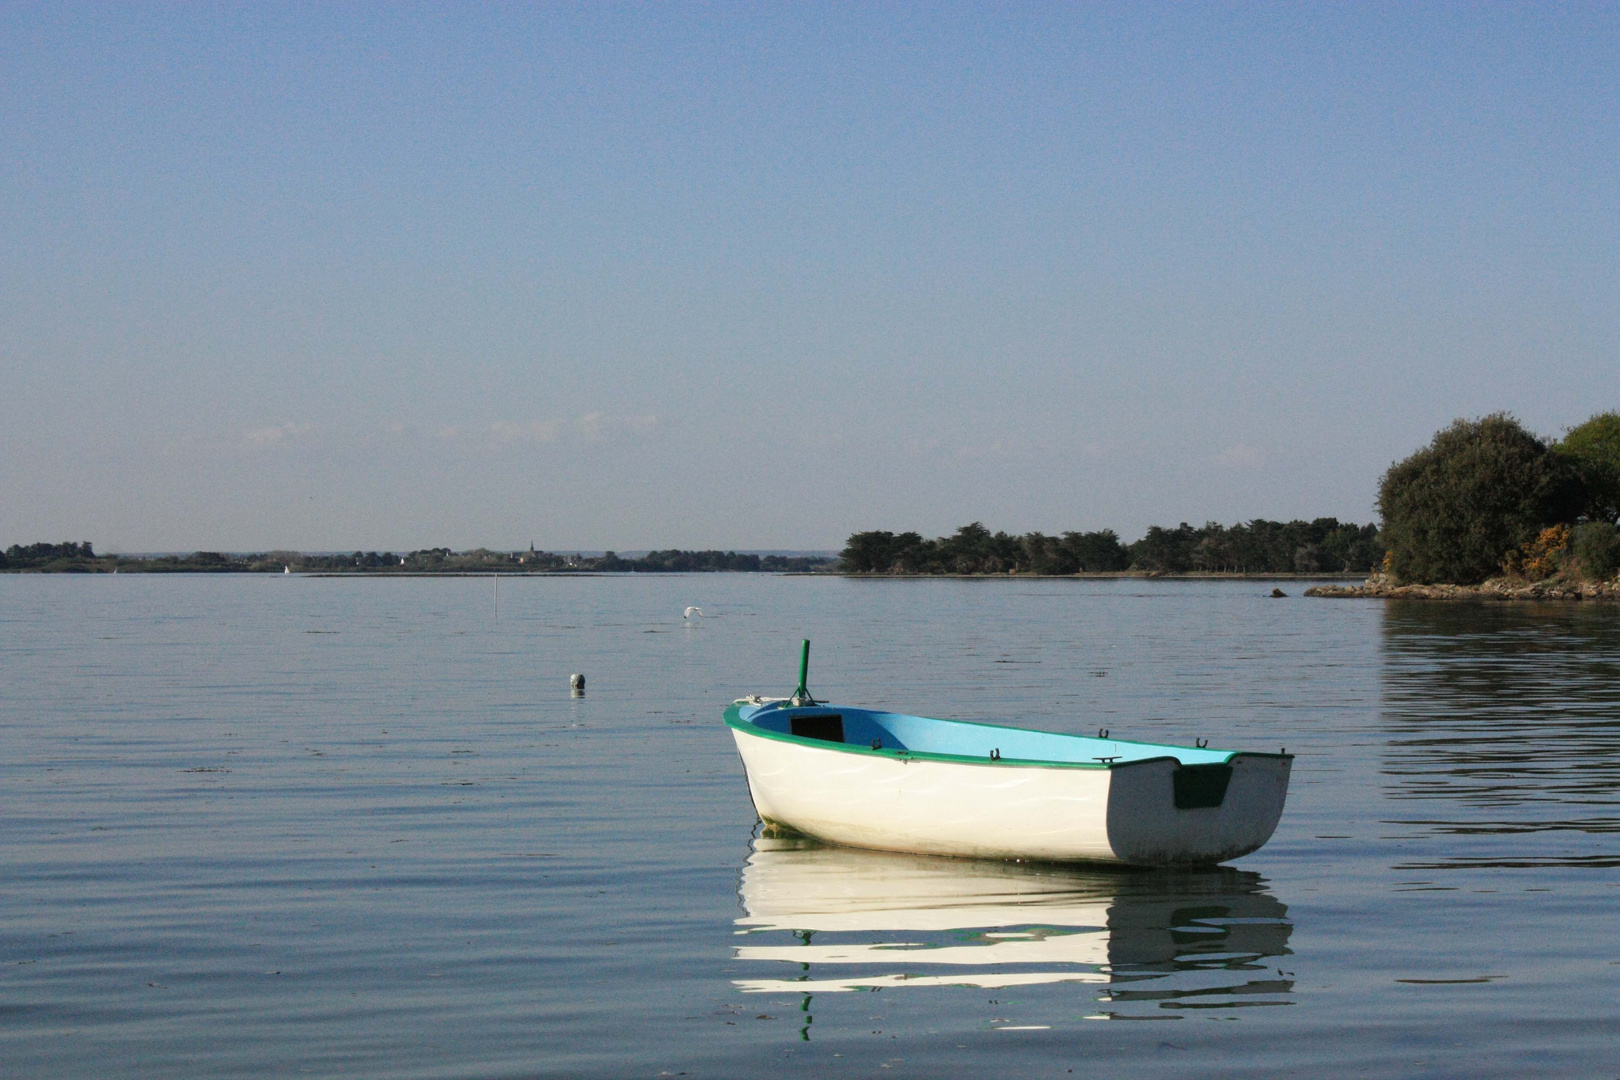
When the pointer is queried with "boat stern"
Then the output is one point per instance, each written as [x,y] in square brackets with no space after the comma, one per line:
[1164,813]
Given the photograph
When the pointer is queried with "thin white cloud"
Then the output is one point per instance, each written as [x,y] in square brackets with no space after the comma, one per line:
[974,451]
[593,426]
[1241,456]
[590,425]
[540,431]
[275,433]
[596,426]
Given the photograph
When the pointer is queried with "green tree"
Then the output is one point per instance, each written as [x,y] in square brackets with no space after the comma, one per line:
[1453,510]
[1597,545]
[1042,554]
[1097,551]
[869,551]
[974,549]
[1594,448]
[1168,551]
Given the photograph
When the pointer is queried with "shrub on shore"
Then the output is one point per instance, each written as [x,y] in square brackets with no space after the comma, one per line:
[1542,557]
[1597,545]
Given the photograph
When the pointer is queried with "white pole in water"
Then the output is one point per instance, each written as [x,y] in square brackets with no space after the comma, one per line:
[495,580]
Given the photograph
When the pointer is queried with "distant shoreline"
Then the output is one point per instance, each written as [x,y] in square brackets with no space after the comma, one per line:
[134,567]
[1105,575]
[81,558]
[1496,590]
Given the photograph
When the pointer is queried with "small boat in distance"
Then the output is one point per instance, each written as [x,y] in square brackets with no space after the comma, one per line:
[896,782]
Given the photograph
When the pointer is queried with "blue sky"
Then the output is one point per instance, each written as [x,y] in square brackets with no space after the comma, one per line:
[759,276]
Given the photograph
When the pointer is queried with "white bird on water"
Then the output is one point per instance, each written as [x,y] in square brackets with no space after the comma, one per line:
[693,613]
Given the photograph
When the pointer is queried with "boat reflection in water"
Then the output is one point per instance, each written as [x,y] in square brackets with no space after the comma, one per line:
[850,919]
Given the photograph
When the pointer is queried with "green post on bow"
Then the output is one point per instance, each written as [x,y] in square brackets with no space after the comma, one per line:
[801,696]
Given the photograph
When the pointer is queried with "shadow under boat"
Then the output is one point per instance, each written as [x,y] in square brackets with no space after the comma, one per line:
[849,919]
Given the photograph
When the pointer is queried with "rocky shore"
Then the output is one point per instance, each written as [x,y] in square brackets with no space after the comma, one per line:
[1379,586]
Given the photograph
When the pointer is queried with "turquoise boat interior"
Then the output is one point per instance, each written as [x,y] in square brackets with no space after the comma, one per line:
[885,732]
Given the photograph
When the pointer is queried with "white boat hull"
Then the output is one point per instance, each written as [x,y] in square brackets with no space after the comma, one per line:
[1122,813]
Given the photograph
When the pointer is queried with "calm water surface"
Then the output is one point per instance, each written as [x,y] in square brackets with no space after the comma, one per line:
[282,826]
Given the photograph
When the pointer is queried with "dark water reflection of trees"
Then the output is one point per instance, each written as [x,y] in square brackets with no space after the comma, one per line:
[1505,719]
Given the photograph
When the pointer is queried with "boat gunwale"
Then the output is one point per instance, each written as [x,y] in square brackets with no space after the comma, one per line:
[733,719]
